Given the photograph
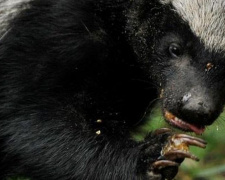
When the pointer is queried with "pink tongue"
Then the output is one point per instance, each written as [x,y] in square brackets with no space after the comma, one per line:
[197,130]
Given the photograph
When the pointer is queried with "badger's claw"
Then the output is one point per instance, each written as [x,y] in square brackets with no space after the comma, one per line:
[163,163]
[174,151]
[178,147]
[162,131]
[190,140]
[177,154]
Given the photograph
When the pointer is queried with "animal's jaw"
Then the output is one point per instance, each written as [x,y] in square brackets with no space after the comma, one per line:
[180,124]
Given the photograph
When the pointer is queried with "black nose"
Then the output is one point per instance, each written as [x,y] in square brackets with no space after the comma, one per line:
[197,109]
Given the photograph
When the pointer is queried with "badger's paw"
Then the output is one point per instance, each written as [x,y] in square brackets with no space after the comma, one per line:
[174,151]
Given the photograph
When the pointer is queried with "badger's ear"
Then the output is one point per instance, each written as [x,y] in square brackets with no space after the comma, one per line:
[9,9]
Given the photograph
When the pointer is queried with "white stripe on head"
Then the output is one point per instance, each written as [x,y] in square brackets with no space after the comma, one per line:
[206,19]
[8,10]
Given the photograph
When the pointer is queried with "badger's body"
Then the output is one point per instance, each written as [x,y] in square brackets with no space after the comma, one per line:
[77,75]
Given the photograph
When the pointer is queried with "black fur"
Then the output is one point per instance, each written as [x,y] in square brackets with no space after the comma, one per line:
[66,64]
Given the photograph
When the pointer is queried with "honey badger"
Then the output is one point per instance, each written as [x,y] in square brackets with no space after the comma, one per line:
[77,75]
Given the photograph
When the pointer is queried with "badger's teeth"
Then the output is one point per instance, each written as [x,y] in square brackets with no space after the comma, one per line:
[179,120]
[179,123]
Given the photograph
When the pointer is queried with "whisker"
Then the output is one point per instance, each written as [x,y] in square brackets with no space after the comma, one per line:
[147,82]
[147,109]
[86,27]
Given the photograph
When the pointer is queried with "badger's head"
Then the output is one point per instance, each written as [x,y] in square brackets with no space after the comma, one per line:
[181,44]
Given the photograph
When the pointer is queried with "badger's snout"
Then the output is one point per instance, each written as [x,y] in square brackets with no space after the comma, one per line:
[198,107]
[191,107]
[197,110]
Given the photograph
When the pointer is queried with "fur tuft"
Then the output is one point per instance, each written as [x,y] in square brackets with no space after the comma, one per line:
[8,10]
[207,22]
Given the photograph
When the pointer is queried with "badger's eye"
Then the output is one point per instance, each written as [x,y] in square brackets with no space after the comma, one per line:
[175,50]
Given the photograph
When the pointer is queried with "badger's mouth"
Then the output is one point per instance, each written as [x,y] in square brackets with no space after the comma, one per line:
[180,124]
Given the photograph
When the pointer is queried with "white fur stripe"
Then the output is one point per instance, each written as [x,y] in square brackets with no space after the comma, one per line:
[8,10]
[206,19]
